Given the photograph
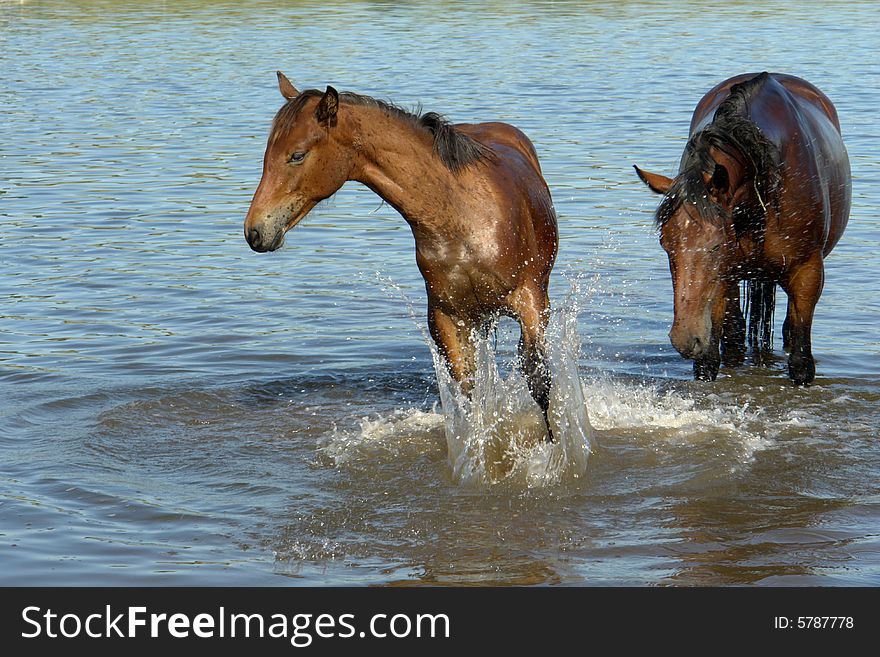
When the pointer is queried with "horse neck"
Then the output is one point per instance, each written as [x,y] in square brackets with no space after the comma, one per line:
[395,159]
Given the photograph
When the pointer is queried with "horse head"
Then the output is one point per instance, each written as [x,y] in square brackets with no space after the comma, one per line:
[303,165]
[698,233]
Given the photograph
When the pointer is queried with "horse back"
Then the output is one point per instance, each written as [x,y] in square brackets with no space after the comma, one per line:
[797,87]
[496,134]
[803,123]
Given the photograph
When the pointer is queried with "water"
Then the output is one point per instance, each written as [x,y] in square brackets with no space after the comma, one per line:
[180,410]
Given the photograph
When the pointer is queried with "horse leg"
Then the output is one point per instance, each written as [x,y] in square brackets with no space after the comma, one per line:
[786,327]
[803,286]
[707,363]
[733,335]
[455,343]
[532,311]
[706,369]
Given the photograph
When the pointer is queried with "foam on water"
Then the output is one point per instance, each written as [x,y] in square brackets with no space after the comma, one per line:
[382,435]
[668,417]
[496,436]
[620,405]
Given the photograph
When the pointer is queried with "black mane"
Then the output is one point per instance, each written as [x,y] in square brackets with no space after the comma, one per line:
[455,149]
[734,133]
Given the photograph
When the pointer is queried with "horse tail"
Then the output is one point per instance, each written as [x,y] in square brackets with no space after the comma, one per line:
[759,308]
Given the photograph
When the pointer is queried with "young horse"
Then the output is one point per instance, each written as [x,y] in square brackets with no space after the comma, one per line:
[473,195]
[762,195]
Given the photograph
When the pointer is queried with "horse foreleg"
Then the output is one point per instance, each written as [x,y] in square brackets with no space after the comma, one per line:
[707,363]
[786,327]
[803,286]
[533,312]
[733,336]
[533,363]
[454,340]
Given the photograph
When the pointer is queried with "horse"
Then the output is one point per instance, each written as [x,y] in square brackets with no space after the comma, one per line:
[473,194]
[762,196]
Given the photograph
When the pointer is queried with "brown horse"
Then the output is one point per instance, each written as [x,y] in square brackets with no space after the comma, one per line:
[762,195]
[473,195]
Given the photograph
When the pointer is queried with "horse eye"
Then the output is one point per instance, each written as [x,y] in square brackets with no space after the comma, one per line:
[297,157]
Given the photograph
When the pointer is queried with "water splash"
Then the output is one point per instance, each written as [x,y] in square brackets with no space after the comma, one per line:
[495,436]
[497,433]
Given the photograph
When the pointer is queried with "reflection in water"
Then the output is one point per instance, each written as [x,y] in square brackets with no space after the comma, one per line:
[745,541]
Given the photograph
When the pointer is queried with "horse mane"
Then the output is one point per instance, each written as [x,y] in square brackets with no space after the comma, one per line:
[454,148]
[733,132]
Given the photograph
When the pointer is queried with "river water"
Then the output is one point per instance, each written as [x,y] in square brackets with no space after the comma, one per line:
[177,409]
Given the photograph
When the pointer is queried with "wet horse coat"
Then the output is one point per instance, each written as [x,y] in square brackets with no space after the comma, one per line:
[473,195]
[762,195]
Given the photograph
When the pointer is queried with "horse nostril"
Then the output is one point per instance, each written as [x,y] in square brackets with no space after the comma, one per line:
[697,346]
[253,236]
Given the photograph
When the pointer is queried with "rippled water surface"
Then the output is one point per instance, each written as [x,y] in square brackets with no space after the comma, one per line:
[177,409]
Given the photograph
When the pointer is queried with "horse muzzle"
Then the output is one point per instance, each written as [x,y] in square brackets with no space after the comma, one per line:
[689,344]
[266,231]
[261,242]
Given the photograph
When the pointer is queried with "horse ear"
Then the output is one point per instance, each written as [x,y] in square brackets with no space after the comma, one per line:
[657,183]
[720,180]
[285,87]
[328,106]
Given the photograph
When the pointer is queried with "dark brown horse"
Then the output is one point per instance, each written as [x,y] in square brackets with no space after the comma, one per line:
[473,195]
[762,195]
